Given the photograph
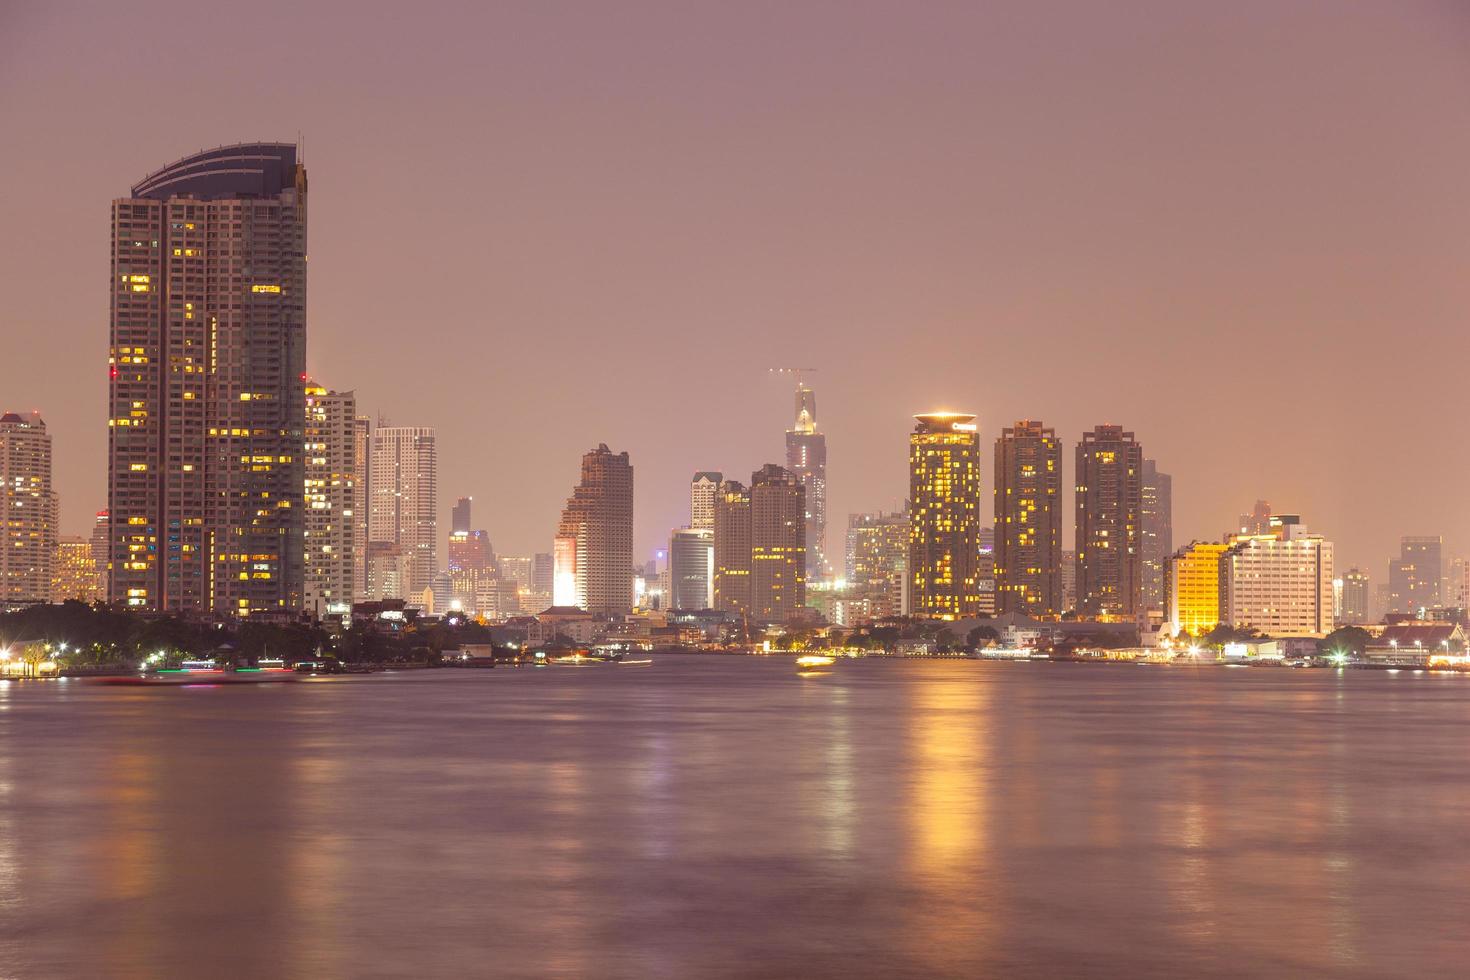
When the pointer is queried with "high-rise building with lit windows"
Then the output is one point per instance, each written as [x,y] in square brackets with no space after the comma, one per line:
[1109,515]
[207,354]
[778,564]
[331,495]
[593,551]
[1356,598]
[403,512]
[732,549]
[1193,585]
[806,458]
[74,574]
[1414,577]
[1028,520]
[944,516]
[362,454]
[1279,583]
[28,527]
[1156,540]
[702,491]
[878,560]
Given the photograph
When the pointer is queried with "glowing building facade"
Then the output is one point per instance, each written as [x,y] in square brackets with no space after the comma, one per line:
[593,550]
[702,491]
[208,351]
[403,522]
[1028,520]
[29,508]
[331,498]
[878,561]
[732,549]
[74,573]
[778,562]
[1193,577]
[1279,583]
[806,459]
[944,516]
[1109,523]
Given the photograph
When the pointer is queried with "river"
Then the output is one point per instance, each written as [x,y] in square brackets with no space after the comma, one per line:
[724,817]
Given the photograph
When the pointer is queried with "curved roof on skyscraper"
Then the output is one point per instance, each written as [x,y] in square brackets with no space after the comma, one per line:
[242,170]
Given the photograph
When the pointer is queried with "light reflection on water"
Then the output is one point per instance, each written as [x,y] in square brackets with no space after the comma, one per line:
[724,817]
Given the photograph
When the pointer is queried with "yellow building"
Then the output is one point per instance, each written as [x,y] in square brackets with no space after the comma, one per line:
[1194,587]
[944,523]
[74,573]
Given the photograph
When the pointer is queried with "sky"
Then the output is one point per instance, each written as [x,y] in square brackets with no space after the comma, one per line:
[1240,230]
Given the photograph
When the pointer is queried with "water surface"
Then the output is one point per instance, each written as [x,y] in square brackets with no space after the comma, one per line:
[723,817]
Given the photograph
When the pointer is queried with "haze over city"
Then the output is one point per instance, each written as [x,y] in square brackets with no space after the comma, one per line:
[1238,230]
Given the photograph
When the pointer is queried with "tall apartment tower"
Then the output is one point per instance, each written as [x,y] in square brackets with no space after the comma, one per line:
[208,356]
[732,549]
[331,499]
[691,568]
[702,491]
[878,560]
[1109,523]
[806,458]
[362,455]
[1156,523]
[1028,520]
[1356,597]
[778,555]
[28,532]
[944,516]
[594,541]
[1414,576]
[403,523]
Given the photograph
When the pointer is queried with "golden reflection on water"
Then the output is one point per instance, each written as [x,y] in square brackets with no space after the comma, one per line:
[316,863]
[838,805]
[948,811]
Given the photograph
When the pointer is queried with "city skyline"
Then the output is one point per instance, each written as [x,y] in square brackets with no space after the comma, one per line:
[1192,283]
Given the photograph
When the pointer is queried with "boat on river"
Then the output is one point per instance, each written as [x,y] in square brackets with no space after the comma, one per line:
[813,663]
[198,675]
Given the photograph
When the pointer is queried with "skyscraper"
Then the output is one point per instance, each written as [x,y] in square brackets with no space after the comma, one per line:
[878,560]
[208,351]
[1028,520]
[806,458]
[362,455]
[702,490]
[732,549]
[944,516]
[1356,597]
[28,532]
[459,516]
[1414,576]
[594,540]
[778,523]
[692,568]
[1156,523]
[1109,516]
[331,491]
[403,524]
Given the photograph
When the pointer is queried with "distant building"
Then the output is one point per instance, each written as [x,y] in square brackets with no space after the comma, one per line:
[1414,576]
[1109,523]
[1279,583]
[877,561]
[594,540]
[944,516]
[28,532]
[1156,523]
[985,571]
[1457,584]
[778,565]
[692,569]
[101,548]
[459,515]
[1028,520]
[806,458]
[331,494]
[702,491]
[207,355]
[75,574]
[1193,579]
[1356,598]
[543,574]
[1069,581]
[362,453]
[1258,521]
[732,549]
[403,503]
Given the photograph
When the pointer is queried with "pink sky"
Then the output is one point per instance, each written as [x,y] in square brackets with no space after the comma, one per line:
[1240,229]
